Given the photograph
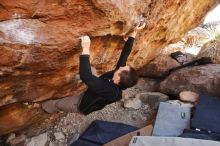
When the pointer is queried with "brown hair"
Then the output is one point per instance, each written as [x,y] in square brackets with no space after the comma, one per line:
[128,78]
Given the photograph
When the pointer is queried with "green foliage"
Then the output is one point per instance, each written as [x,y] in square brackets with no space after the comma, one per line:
[213,29]
[218,37]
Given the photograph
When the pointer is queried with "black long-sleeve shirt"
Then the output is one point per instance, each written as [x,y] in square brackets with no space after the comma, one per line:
[101,90]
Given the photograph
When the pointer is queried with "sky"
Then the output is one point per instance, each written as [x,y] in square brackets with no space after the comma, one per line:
[212,16]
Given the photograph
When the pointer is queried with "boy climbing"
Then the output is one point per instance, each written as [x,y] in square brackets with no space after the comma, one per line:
[102,90]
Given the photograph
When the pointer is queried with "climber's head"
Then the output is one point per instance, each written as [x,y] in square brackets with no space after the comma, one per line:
[125,76]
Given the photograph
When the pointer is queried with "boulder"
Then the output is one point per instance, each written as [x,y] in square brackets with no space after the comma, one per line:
[146,98]
[143,85]
[40,140]
[134,103]
[59,135]
[211,49]
[17,116]
[203,79]
[159,67]
[153,99]
[19,140]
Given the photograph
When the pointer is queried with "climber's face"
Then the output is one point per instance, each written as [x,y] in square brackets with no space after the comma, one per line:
[116,76]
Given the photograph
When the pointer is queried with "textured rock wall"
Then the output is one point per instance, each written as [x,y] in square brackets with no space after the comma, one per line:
[39,41]
[203,79]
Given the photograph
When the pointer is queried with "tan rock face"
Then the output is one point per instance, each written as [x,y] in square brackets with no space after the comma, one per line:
[39,40]
[17,116]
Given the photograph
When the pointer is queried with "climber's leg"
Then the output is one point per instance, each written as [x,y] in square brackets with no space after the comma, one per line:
[66,104]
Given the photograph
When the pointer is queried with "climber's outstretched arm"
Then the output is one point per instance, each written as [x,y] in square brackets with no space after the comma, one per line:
[128,47]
